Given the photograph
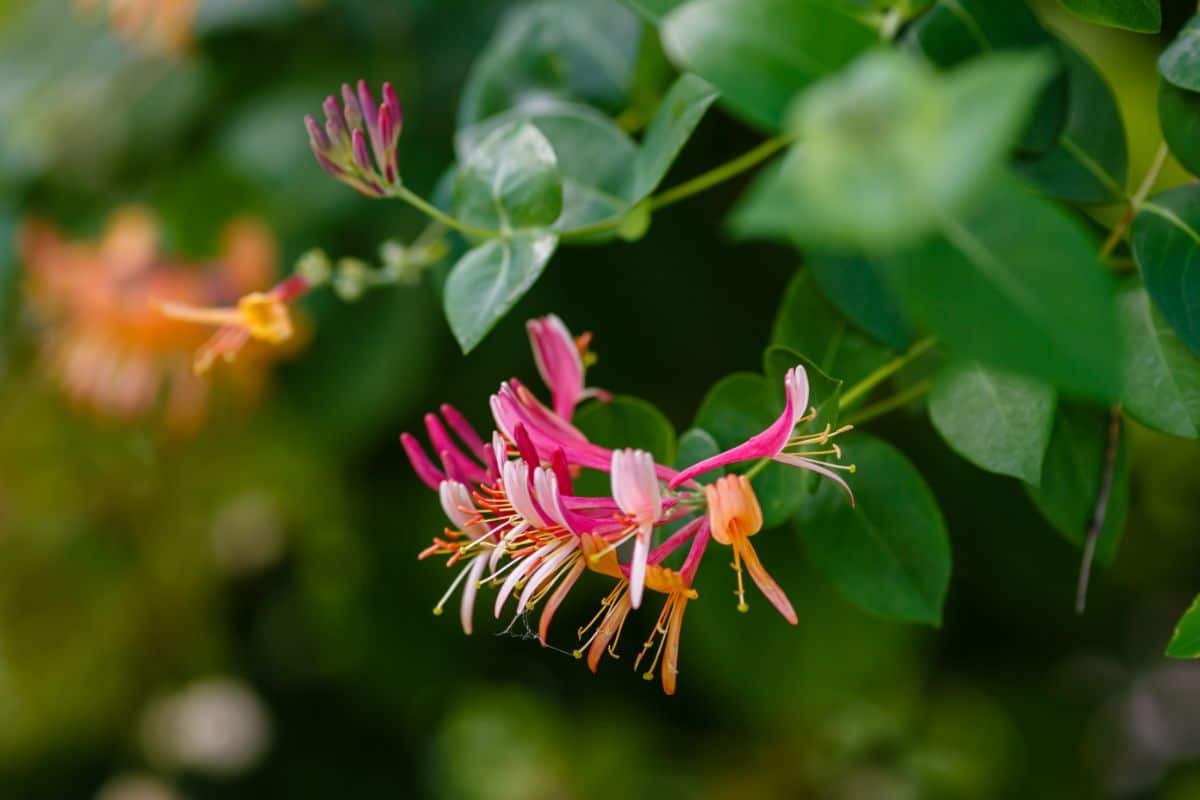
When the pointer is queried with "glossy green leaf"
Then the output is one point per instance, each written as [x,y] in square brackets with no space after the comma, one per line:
[1162,377]
[857,286]
[488,280]
[1142,16]
[759,53]
[593,156]
[740,406]
[580,51]
[998,421]
[887,556]
[1016,283]
[809,325]
[955,30]
[1071,477]
[509,181]
[1166,245]
[1090,162]
[677,117]
[888,147]
[628,422]
[1179,115]
[1180,63]
[695,445]
[1185,643]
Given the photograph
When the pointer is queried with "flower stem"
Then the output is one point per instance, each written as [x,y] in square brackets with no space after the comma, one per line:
[721,173]
[1119,230]
[1101,511]
[889,404]
[863,387]
[433,212]
[758,467]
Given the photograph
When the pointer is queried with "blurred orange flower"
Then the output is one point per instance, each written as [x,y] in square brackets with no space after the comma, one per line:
[161,25]
[105,341]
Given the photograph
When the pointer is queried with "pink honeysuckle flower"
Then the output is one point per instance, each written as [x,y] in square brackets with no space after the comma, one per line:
[515,406]
[636,490]
[562,361]
[774,442]
[470,529]
[357,144]
[523,528]
[468,460]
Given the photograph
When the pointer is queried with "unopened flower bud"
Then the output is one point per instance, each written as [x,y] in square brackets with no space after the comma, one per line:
[358,143]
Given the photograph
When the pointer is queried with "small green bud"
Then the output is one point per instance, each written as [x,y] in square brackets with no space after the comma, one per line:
[314,267]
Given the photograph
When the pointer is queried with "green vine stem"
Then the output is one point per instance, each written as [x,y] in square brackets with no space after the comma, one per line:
[889,404]
[863,387]
[721,173]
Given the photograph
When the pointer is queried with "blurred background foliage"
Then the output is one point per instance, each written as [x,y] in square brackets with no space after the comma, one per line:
[240,613]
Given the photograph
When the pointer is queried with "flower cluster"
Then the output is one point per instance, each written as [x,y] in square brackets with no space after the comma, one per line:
[102,338]
[516,522]
[357,144]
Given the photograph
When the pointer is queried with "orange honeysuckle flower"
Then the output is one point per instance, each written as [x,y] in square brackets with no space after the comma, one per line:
[101,338]
[160,25]
[610,620]
[735,515]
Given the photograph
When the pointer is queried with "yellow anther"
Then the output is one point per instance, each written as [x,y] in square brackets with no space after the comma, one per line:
[437,611]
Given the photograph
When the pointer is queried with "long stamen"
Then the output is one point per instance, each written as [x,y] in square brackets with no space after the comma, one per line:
[437,610]
[741,588]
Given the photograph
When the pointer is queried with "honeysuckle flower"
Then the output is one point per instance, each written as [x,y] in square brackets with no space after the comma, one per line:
[456,503]
[562,360]
[607,624]
[734,515]
[101,338]
[468,461]
[259,316]
[779,441]
[358,143]
[635,488]
[162,25]
[538,536]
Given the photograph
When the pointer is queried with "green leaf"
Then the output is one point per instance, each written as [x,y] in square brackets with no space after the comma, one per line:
[488,280]
[1166,245]
[1072,474]
[580,51]
[1017,284]
[955,30]
[1186,641]
[889,146]
[759,53]
[740,406]
[1180,63]
[1179,115]
[1162,378]
[653,10]
[676,118]
[809,325]
[1142,16]
[890,553]
[996,420]
[592,153]
[628,422]
[509,181]
[857,286]
[1090,162]
[695,445]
